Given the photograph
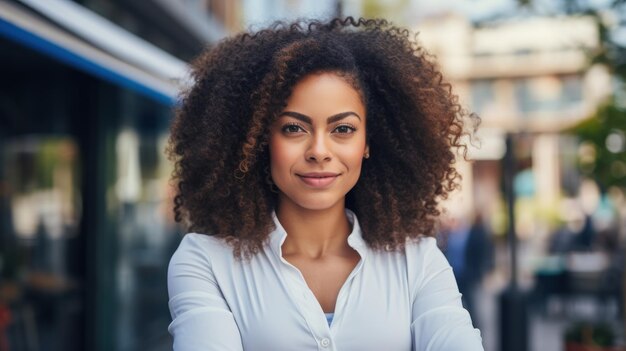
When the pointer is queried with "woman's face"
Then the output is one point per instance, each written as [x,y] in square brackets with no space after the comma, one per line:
[318,143]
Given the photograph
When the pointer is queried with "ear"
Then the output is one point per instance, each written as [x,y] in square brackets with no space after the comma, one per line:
[366,154]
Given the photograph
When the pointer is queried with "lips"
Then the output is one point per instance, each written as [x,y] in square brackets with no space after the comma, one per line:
[318,179]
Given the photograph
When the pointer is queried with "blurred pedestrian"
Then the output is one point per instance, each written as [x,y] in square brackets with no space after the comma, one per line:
[585,240]
[310,158]
[470,251]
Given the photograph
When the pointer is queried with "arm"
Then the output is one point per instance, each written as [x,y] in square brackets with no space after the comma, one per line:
[201,318]
[439,321]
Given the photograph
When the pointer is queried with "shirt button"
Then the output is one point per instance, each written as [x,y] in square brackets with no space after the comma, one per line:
[325,342]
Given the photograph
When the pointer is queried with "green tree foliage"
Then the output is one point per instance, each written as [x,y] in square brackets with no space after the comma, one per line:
[603,150]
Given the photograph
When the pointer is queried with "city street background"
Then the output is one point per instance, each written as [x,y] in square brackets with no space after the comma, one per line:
[536,235]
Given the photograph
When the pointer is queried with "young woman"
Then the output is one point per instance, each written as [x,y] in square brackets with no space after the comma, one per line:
[310,161]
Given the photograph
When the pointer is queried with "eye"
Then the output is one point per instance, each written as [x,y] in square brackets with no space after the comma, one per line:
[292,128]
[344,129]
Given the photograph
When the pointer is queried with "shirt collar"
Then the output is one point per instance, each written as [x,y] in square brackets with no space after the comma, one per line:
[355,239]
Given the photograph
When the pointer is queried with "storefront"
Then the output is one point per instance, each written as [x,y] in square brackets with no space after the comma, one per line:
[85,224]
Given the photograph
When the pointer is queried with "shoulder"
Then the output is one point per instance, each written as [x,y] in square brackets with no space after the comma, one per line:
[424,258]
[415,251]
[199,248]
[414,259]
[196,252]
[420,251]
[421,248]
[193,262]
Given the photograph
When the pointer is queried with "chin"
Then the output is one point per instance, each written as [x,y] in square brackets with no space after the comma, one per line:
[317,203]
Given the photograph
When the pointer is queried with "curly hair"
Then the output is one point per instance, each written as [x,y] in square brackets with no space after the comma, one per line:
[219,137]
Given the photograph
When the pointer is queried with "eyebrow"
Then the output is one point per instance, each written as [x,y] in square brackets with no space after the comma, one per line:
[308,120]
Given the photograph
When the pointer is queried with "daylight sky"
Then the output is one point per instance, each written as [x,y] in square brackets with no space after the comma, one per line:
[479,9]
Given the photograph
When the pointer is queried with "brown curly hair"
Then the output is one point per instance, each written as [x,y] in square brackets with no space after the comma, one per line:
[219,137]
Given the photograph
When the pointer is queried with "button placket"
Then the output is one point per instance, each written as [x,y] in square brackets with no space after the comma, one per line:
[307,305]
[342,295]
[319,327]
[325,342]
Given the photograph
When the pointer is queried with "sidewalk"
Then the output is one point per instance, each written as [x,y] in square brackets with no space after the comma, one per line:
[546,331]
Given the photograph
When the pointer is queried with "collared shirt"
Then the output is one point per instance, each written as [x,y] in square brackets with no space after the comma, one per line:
[391,301]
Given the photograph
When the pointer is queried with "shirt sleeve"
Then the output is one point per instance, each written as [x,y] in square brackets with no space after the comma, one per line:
[439,321]
[201,317]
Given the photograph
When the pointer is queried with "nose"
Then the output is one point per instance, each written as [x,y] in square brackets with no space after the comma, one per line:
[318,150]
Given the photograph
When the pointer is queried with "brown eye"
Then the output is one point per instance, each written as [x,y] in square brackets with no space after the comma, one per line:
[344,129]
[292,129]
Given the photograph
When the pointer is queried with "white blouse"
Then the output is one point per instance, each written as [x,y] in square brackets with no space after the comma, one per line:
[391,301]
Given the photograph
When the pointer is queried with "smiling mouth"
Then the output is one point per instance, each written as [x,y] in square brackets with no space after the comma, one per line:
[318,180]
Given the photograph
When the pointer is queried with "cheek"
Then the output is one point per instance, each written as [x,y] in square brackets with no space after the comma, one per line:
[352,159]
[282,157]
[355,160]
[354,155]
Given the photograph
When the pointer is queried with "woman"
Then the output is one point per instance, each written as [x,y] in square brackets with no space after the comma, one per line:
[310,160]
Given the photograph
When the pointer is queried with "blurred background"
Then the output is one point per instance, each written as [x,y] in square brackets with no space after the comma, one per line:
[536,236]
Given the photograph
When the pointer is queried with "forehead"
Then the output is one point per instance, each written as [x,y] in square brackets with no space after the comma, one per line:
[321,95]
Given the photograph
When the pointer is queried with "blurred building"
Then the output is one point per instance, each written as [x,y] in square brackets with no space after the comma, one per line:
[525,76]
[85,103]
[531,78]
[260,13]
[86,232]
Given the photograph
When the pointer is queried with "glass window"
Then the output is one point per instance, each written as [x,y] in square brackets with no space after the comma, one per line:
[147,233]
[548,93]
[40,284]
[482,95]
[572,90]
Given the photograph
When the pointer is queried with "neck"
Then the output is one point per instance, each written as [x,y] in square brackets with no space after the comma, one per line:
[314,233]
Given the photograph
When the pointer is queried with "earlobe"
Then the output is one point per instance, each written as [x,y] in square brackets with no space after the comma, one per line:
[366,155]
